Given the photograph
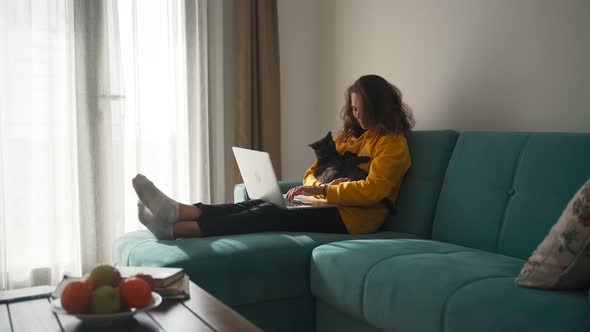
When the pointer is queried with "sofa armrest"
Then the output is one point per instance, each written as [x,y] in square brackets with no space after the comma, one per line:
[241,195]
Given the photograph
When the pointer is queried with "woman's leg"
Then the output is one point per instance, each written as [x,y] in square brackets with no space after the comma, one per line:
[266,217]
[188,226]
[193,212]
[159,213]
[262,218]
[186,229]
[171,211]
[188,212]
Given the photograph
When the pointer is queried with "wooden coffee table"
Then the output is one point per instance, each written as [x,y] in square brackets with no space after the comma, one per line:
[202,312]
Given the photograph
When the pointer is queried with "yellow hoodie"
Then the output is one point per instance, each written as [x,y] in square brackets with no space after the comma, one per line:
[360,202]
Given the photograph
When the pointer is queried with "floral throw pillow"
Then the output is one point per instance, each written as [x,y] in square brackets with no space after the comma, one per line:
[562,260]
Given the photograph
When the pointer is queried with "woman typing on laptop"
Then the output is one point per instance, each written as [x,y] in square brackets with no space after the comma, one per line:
[375,124]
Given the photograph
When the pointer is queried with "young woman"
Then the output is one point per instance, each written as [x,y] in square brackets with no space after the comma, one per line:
[376,123]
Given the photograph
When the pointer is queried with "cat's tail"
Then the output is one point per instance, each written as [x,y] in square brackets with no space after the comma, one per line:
[363,159]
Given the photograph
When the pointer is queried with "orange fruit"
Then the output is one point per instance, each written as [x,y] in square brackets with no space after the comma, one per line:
[76,296]
[135,292]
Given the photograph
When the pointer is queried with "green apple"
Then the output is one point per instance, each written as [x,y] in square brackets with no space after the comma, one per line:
[105,300]
[104,275]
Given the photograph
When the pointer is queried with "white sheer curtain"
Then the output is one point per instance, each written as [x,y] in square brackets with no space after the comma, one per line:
[86,102]
[156,127]
[39,224]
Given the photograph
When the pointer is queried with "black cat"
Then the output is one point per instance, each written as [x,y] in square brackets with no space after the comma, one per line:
[332,165]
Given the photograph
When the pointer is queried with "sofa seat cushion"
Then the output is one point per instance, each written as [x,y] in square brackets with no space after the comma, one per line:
[422,285]
[238,269]
[498,304]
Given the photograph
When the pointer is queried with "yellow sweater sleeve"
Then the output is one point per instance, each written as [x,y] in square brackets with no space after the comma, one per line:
[390,161]
[309,178]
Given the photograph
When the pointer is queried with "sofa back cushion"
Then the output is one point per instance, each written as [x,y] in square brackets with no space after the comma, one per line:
[416,203]
[503,191]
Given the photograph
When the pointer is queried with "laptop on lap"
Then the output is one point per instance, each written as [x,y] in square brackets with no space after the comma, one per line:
[261,182]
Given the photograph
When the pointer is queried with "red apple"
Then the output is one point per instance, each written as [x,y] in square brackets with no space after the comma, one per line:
[148,278]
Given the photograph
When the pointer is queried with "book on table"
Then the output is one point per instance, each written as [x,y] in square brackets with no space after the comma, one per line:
[163,276]
[176,291]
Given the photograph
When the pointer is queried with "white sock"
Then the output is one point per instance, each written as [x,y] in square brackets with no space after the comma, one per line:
[160,230]
[162,207]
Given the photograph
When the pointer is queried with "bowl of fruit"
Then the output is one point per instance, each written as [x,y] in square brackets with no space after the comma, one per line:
[103,296]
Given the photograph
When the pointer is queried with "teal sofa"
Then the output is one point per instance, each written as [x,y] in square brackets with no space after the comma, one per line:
[472,208]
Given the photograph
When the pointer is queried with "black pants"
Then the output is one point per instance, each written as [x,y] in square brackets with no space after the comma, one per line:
[258,216]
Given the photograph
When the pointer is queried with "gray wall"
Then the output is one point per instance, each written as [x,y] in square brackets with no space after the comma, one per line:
[462,64]
[300,90]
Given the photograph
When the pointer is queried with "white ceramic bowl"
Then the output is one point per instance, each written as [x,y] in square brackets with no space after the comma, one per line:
[105,318]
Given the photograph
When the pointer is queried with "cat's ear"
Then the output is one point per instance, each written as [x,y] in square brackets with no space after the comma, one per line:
[329,134]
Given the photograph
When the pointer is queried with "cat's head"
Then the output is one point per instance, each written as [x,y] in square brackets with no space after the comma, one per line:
[325,147]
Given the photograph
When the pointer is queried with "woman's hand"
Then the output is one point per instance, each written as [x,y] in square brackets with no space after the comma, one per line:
[305,191]
[311,190]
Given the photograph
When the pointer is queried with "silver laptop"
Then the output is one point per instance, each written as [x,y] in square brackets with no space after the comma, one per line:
[261,182]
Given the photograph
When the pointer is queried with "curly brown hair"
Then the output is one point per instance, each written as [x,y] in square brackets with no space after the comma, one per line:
[384,111]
